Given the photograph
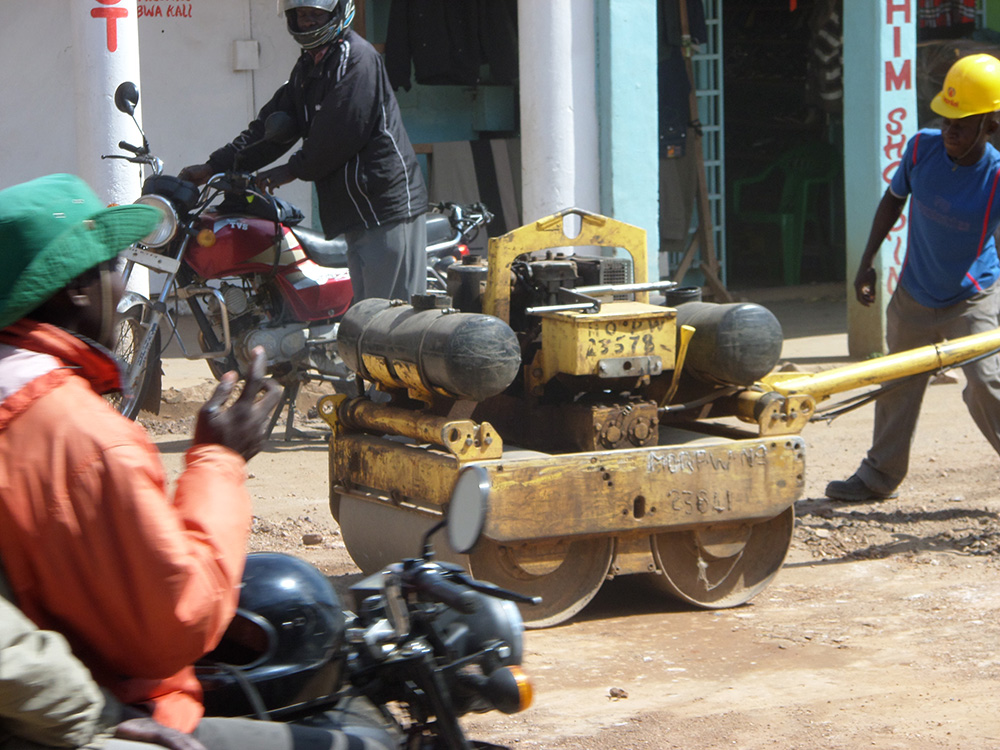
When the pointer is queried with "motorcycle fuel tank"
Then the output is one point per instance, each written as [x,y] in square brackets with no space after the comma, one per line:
[237,245]
[241,245]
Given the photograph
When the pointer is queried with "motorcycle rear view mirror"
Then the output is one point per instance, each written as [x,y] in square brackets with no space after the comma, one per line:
[279,127]
[127,97]
[467,508]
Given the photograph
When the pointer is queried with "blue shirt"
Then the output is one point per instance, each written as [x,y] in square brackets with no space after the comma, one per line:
[954,211]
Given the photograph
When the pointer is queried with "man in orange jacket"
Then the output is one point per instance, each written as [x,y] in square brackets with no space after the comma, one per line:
[140,583]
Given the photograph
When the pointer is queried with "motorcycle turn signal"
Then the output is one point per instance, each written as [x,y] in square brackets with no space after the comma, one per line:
[205,238]
[507,689]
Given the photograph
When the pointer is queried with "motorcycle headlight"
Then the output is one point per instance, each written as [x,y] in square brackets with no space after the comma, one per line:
[496,624]
[166,228]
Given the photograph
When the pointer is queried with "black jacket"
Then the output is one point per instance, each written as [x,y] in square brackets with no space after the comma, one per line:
[354,145]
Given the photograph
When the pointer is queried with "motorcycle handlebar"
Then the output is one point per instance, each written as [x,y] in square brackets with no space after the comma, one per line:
[432,582]
[232,181]
[126,146]
[491,589]
[237,182]
[465,214]
[465,220]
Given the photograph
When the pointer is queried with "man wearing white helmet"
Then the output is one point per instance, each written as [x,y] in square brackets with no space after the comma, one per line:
[354,148]
[947,285]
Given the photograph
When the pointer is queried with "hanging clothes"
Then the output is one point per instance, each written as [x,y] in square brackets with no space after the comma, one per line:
[826,57]
[937,14]
[678,169]
[451,42]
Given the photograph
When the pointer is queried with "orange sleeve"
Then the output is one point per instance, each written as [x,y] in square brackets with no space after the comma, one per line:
[140,583]
[181,561]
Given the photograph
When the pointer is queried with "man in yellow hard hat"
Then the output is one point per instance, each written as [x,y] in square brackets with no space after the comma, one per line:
[947,286]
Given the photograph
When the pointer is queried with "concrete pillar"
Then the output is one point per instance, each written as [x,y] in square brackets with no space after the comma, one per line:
[106,52]
[587,163]
[549,81]
[627,110]
[880,114]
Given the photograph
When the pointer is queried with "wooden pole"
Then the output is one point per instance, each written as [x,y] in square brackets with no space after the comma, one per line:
[704,237]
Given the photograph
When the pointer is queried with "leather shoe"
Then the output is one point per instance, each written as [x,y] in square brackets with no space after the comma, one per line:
[854,490]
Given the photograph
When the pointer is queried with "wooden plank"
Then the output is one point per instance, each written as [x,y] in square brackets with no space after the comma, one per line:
[706,241]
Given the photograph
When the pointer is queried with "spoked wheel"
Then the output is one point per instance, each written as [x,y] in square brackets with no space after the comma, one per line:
[717,567]
[565,573]
[128,341]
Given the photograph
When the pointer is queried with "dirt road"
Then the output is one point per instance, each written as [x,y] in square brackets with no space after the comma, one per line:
[881,631]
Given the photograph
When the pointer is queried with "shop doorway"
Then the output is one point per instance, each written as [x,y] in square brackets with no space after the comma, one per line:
[767,121]
[783,141]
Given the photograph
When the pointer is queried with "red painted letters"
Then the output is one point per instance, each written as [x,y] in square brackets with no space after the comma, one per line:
[898,77]
[111,16]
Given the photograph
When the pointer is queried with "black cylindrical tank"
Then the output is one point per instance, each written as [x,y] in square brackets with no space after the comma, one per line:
[467,355]
[733,344]
[681,294]
[465,284]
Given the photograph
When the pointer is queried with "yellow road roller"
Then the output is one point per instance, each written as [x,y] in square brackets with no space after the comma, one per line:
[620,437]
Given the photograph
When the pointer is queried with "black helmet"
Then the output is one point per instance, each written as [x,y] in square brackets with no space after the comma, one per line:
[342,13]
[283,647]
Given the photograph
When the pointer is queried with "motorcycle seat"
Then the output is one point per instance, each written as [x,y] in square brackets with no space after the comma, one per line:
[320,250]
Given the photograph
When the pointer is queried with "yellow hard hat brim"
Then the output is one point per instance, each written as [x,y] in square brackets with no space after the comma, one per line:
[943,108]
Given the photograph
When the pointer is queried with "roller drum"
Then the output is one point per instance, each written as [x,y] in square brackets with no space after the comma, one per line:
[733,344]
[466,355]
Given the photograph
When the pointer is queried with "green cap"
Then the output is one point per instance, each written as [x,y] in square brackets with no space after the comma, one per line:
[54,228]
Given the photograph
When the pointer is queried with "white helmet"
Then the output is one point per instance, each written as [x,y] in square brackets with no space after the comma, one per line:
[342,13]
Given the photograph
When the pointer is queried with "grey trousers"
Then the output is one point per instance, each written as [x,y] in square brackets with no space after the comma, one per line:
[248,734]
[356,725]
[389,262]
[908,325]
[331,731]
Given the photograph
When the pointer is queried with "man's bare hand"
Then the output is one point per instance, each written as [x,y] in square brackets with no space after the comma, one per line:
[148,730]
[241,426]
[196,173]
[273,178]
[864,286]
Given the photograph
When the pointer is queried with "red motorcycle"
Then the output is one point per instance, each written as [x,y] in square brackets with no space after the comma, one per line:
[251,276]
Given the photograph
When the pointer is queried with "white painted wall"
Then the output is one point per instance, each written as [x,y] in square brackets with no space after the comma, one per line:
[37,81]
[192,99]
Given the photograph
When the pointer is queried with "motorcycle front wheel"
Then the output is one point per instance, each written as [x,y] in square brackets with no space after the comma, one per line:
[130,333]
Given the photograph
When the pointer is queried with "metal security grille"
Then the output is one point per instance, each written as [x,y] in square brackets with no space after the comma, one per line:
[709,90]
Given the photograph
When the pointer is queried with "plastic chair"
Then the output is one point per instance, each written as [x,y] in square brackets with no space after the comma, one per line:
[804,167]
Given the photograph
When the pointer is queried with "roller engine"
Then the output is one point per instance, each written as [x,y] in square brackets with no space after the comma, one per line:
[614,431]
